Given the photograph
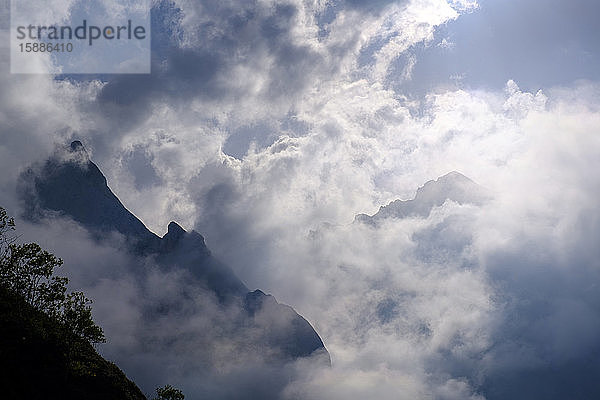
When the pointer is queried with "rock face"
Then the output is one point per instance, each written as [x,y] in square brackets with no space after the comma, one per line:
[70,184]
[187,250]
[289,332]
[452,186]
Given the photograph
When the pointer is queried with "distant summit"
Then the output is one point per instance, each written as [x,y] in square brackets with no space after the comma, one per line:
[453,186]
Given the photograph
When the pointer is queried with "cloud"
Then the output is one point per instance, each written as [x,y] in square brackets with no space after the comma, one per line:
[466,294]
[271,66]
[162,326]
[468,302]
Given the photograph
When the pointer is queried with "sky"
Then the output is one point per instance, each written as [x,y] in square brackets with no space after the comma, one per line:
[268,125]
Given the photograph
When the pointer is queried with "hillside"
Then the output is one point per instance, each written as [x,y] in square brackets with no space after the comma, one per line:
[40,360]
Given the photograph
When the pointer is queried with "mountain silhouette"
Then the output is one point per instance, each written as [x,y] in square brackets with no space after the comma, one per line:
[453,186]
[70,184]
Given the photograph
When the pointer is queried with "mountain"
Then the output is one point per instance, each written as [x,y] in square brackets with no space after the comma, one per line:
[296,338]
[187,250]
[37,363]
[453,186]
[70,184]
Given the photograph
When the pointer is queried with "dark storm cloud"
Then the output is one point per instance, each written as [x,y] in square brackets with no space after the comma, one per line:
[198,60]
[372,6]
[550,324]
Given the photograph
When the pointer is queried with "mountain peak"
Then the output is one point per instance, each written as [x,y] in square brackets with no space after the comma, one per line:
[71,184]
[454,176]
[173,237]
[73,153]
[178,239]
[76,145]
[175,229]
[451,186]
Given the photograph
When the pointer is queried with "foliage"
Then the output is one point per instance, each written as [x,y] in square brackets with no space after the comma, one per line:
[77,316]
[40,359]
[28,271]
[47,334]
[168,392]
[7,224]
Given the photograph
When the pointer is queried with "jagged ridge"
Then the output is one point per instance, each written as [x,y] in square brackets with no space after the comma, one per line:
[452,186]
[70,184]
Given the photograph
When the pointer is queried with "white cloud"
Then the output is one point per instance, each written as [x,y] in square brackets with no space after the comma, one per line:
[430,307]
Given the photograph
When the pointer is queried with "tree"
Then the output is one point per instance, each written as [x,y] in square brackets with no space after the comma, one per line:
[28,271]
[7,224]
[168,392]
[77,316]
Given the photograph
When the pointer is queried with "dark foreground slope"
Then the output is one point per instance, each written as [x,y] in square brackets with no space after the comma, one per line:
[70,184]
[38,360]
